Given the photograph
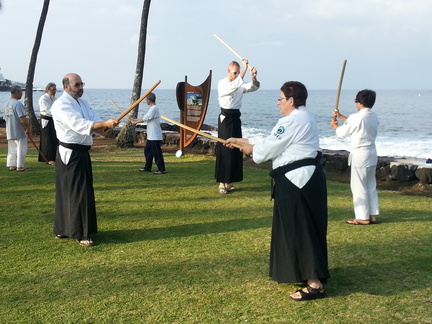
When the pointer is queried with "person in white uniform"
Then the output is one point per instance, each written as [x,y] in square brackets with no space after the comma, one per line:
[229,163]
[75,123]
[298,251]
[363,159]
[48,137]
[17,128]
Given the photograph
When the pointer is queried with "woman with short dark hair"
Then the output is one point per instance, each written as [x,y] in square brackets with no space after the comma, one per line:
[298,250]
[363,159]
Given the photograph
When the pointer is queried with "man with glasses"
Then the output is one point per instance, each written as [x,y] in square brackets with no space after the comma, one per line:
[75,122]
[229,163]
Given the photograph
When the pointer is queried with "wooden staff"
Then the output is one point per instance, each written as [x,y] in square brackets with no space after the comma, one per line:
[127,111]
[336,108]
[231,49]
[37,148]
[121,112]
[197,131]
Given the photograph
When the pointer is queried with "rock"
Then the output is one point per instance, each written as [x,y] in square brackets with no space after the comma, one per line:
[336,161]
[383,173]
[424,175]
[402,172]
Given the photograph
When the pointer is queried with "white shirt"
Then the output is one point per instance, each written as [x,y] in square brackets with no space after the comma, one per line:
[45,103]
[363,128]
[73,121]
[295,137]
[230,93]
[13,111]
[152,118]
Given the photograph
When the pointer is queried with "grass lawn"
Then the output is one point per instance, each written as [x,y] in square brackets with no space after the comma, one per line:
[170,249]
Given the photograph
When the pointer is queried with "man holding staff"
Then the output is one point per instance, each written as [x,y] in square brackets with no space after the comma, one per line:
[229,163]
[152,150]
[75,122]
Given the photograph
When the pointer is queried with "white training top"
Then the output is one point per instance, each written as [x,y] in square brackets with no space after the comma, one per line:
[230,93]
[363,128]
[152,118]
[73,120]
[295,137]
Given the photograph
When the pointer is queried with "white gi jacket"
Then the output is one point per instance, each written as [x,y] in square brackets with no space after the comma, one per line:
[295,137]
[45,104]
[73,121]
[363,128]
[230,93]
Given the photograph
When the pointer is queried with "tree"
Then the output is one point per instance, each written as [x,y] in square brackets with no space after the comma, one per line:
[126,137]
[28,101]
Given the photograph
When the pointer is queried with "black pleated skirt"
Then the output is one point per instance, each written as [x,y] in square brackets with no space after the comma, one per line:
[298,249]
[48,141]
[75,209]
[229,162]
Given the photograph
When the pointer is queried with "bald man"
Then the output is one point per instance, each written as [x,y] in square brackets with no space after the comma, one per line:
[229,162]
[75,123]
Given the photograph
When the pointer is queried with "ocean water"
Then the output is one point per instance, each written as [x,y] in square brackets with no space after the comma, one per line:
[405,115]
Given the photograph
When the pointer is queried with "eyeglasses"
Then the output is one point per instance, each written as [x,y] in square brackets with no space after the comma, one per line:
[82,84]
[235,72]
[279,99]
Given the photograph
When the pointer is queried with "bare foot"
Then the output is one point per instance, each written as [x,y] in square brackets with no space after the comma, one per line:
[358,222]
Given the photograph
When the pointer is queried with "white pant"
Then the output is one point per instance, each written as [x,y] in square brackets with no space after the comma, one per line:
[363,188]
[17,151]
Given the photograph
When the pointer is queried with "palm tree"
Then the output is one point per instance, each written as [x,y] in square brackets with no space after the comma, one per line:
[126,137]
[28,101]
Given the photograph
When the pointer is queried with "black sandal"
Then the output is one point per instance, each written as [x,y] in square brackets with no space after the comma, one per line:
[310,294]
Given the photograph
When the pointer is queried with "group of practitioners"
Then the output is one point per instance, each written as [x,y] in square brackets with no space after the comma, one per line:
[298,252]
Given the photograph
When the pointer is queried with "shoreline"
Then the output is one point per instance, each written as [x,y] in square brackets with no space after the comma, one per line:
[395,174]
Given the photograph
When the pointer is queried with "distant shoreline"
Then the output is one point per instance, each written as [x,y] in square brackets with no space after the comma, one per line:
[411,187]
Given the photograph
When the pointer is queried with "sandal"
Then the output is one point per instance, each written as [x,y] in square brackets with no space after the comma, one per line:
[24,170]
[223,190]
[60,236]
[232,188]
[85,242]
[310,293]
[356,222]
[12,169]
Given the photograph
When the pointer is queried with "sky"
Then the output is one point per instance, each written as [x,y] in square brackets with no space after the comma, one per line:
[387,43]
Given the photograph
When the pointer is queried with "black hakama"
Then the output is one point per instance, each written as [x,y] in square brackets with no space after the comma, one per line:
[229,162]
[75,209]
[298,249]
[153,150]
[48,141]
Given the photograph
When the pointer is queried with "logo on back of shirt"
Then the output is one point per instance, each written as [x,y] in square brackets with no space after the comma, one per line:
[279,132]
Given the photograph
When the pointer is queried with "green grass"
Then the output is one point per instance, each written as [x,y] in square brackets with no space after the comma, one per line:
[170,249]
